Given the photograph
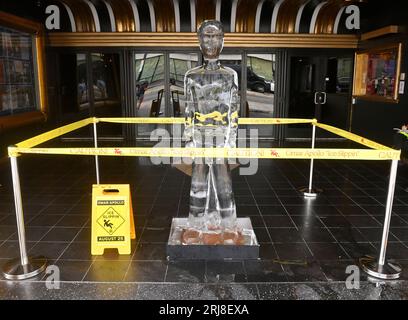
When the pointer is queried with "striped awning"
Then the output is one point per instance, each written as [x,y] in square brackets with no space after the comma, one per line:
[243,16]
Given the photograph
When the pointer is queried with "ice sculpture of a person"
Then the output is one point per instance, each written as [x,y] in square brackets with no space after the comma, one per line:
[211,121]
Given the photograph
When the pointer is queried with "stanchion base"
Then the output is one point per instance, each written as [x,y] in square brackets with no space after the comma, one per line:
[14,270]
[310,193]
[389,271]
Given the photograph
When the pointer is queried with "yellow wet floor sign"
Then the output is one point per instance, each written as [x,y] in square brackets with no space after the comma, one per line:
[112,218]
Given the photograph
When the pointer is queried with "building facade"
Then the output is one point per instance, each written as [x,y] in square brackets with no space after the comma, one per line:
[127,58]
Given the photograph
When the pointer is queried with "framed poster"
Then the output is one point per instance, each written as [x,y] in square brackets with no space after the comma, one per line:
[18,85]
[376,74]
[22,72]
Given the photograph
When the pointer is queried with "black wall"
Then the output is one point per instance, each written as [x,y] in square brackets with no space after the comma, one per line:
[371,119]
[379,13]
[29,9]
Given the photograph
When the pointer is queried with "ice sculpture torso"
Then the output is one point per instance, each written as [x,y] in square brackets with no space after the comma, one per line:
[211,94]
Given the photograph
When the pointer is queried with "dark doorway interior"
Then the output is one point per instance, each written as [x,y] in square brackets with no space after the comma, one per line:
[319,87]
[89,86]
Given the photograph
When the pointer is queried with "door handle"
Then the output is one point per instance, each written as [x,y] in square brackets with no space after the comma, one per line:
[320,97]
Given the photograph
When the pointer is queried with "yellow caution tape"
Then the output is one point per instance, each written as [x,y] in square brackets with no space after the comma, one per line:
[381,152]
[34,141]
[260,153]
[44,137]
[353,137]
[182,120]
[143,120]
[273,121]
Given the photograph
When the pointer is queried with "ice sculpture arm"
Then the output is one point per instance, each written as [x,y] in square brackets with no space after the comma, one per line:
[231,139]
[189,113]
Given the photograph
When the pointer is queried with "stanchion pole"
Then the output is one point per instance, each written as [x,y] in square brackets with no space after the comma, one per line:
[309,192]
[96,146]
[384,269]
[24,267]
[312,160]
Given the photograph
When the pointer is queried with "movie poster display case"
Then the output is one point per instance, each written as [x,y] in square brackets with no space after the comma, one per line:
[22,76]
[377,73]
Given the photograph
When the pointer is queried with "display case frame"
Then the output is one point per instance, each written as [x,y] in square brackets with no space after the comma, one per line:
[36,30]
[367,84]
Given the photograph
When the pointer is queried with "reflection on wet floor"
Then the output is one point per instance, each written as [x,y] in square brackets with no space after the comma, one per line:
[305,245]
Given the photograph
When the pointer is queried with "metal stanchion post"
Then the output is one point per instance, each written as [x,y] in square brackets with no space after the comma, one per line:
[24,267]
[384,269]
[309,192]
[96,157]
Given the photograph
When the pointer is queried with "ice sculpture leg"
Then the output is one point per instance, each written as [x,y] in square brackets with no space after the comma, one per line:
[212,204]
[198,195]
[212,208]
[224,196]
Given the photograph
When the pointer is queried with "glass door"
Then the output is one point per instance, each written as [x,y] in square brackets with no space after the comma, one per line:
[89,86]
[74,97]
[260,90]
[180,63]
[159,87]
[319,87]
[106,93]
[338,86]
[149,89]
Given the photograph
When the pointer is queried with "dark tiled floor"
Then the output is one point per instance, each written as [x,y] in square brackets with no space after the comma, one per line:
[301,241]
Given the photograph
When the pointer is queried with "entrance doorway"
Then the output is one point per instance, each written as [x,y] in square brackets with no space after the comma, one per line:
[158,86]
[319,87]
[89,86]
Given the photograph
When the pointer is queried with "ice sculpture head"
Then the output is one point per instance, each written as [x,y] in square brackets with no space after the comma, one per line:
[211,37]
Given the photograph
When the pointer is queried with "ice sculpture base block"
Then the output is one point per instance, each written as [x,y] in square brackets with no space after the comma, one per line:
[247,249]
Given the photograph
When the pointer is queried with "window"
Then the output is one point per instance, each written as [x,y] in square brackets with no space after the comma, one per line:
[180,63]
[154,97]
[260,85]
[150,98]
[339,75]
[150,84]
